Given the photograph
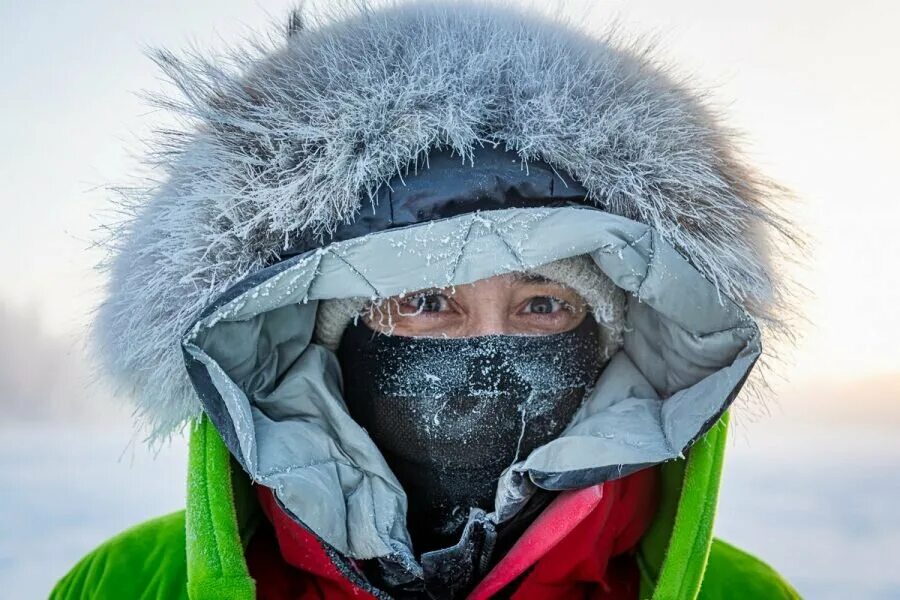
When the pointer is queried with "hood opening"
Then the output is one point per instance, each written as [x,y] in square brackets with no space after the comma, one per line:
[275,396]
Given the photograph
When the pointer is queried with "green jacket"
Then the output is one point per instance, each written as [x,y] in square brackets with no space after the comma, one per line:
[198,553]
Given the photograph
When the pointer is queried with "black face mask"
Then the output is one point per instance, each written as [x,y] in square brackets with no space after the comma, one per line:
[450,414]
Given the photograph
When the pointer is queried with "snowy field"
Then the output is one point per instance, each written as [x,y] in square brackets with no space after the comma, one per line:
[818,503]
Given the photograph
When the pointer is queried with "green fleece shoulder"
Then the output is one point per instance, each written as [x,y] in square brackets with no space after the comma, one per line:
[674,555]
[216,566]
[732,573]
[197,553]
[147,561]
[678,557]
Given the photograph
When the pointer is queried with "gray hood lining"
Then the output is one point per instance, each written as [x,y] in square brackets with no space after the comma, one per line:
[276,397]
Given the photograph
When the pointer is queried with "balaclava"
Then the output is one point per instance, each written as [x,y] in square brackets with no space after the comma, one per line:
[451,414]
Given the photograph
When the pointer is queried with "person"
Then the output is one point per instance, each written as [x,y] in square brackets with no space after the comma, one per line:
[454,301]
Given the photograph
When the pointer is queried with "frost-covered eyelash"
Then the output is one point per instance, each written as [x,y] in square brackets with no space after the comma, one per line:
[413,298]
[563,304]
[420,294]
[420,309]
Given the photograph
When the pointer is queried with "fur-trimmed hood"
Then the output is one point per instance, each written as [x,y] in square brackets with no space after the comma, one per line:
[291,139]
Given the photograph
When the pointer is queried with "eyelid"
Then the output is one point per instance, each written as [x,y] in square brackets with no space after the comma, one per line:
[421,293]
[564,305]
[424,294]
[410,298]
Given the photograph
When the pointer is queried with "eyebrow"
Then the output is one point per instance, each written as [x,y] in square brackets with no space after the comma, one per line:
[530,277]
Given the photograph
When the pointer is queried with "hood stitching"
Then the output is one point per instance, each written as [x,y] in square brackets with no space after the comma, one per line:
[286,138]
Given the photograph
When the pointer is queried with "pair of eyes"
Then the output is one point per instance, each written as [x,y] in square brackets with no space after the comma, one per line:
[439,303]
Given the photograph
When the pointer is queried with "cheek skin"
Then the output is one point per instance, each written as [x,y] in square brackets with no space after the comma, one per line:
[536,324]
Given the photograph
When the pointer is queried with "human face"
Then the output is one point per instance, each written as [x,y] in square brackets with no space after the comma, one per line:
[511,303]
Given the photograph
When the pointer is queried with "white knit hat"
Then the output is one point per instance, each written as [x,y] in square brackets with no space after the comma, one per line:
[605,299]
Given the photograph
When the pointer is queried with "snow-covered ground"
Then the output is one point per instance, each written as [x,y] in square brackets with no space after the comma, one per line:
[64,490]
[818,501]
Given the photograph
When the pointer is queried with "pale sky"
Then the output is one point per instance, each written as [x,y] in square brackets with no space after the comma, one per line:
[813,83]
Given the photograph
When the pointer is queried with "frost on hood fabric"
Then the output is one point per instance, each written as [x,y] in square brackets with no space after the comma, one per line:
[289,138]
[276,397]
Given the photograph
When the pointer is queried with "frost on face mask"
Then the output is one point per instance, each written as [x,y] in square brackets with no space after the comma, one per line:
[451,414]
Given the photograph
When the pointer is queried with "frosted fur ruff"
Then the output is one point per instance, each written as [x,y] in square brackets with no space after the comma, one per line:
[296,134]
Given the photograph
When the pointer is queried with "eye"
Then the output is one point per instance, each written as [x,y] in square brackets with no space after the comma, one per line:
[545,305]
[425,303]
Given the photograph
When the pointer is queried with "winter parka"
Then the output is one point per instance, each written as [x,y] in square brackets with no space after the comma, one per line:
[380,151]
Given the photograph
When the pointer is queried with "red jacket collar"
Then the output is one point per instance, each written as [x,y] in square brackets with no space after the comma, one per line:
[578,546]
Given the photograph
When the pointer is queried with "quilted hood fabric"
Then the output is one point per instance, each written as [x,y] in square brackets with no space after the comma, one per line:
[290,138]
